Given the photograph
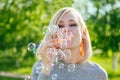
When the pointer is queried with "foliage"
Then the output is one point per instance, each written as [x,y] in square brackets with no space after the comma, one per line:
[21,22]
[105,28]
[19,25]
[102,19]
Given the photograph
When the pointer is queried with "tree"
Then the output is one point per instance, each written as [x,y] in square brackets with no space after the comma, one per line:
[103,23]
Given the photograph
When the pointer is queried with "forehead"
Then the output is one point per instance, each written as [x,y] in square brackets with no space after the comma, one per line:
[69,16]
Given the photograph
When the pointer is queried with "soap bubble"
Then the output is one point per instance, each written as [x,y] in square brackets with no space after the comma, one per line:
[71,67]
[31,46]
[51,54]
[64,37]
[39,67]
[54,76]
[59,54]
[45,30]
[49,66]
[62,43]
[70,35]
[41,45]
[54,54]
[67,54]
[61,33]
[61,65]
[27,78]
[35,49]
[64,30]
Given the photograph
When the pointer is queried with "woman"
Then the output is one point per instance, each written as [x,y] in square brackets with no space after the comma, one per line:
[79,46]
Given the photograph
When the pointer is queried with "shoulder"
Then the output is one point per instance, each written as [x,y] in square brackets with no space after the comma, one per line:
[97,67]
[99,70]
[36,63]
[37,66]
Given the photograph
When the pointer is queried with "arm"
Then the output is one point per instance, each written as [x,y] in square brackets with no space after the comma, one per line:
[42,53]
[104,76]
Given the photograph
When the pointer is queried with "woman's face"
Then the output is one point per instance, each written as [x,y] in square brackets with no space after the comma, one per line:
[70,22]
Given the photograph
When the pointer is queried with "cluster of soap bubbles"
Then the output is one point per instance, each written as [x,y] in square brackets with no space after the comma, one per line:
[58,54]
[61,38]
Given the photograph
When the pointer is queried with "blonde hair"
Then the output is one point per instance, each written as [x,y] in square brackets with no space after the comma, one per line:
[55,20]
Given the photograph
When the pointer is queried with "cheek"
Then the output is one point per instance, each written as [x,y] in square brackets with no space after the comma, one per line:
[76,33]
[77,37]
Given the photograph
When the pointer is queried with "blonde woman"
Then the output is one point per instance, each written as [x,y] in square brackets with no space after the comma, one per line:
[80,47]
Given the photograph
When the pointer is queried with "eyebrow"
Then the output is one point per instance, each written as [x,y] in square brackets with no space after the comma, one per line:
[69,20]
[72,20]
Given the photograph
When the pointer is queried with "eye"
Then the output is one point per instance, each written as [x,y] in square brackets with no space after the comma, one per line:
[73,25]
[61,26]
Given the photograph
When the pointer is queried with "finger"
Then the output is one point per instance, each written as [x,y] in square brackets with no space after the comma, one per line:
[49,43]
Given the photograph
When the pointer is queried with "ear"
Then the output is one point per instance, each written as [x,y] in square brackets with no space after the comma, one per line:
[82,45]
[82,48]
[84,34]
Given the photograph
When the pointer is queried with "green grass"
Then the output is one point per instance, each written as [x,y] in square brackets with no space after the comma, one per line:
[8,64]
[9,78]
[106,63]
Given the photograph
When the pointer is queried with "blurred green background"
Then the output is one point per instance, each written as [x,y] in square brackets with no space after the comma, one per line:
[23,21]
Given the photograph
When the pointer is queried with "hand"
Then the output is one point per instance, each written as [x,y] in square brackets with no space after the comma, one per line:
[42,53]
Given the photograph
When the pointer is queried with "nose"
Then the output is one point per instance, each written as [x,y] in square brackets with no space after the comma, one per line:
[67,28]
